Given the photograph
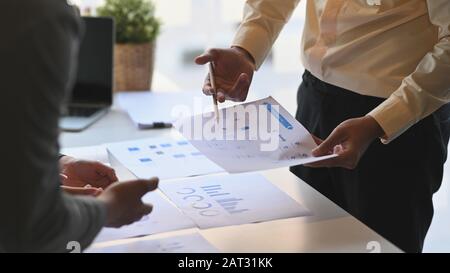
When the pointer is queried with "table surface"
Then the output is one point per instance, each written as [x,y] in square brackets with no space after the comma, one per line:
[330,229]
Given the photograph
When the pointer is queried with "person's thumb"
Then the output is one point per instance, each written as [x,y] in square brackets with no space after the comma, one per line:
[327,146]
[146,209]
[317,140]
[203,59]
[211,55]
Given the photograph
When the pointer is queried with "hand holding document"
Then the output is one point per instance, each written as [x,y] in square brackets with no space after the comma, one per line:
[253,136]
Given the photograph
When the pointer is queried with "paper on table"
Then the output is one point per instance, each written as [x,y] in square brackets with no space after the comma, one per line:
[223,200]
[162,157]
[164,217]
[188,243]
[252,136]
[97,153]
[148,108]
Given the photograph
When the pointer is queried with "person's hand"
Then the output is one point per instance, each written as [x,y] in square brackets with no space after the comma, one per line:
[349,141]
[82,174]
[123,201]
[233,69]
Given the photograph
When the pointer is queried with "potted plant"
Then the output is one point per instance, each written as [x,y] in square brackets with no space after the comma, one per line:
[136,33]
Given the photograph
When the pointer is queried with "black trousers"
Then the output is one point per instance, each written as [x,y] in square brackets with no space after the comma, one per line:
[392,187]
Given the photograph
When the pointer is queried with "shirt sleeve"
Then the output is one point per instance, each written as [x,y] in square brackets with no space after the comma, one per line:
[262,23]
[40,63]
[427,88]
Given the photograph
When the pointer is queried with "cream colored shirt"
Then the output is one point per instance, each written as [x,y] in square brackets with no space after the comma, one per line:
[394,49]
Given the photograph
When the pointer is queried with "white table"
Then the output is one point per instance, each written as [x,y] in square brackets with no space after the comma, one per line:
[330,229]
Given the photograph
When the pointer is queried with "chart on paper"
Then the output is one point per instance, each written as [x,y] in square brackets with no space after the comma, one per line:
[253,136]
[222,200]
[162,157]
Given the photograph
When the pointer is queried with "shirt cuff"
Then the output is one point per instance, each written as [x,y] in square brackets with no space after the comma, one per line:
[255,40]
[394,116]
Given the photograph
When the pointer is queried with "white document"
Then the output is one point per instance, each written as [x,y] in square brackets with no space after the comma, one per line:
[188,243]
[155,109]
[97,153]
[223,200]
[252,136]
[164,217]
[163,157]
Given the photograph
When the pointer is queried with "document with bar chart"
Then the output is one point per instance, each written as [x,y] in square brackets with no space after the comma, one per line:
[223,200]
[163,157]
[252,136]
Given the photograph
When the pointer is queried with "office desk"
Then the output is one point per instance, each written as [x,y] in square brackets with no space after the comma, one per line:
[330,229]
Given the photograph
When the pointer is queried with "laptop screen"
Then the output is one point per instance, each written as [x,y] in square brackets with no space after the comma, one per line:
[94,84]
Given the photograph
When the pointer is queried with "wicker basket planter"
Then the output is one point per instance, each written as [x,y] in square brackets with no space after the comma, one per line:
[133,66]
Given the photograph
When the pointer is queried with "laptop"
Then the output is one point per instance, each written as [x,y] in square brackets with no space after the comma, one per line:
[92,95]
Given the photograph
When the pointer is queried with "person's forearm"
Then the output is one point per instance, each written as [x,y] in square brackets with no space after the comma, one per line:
[263,21]
[427,88]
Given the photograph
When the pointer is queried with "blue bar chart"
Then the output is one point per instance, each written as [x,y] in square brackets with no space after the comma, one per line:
[228,204]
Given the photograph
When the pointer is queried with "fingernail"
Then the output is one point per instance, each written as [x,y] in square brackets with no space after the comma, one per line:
[337,149]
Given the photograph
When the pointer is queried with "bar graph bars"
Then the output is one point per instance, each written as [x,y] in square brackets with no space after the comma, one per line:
[229,204]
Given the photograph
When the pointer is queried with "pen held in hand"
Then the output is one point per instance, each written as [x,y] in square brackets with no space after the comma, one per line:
[214,95]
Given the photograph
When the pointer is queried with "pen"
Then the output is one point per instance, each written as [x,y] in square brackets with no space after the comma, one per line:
[214,95]
[155,125]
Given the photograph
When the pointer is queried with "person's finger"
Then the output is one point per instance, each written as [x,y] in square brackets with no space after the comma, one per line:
[81,190]
[207,87]
[63,178]
[338,149]
[103,182]
[99,191]
[317,140]
[221,97]
[209,56]
[240,88]
[107,171]
[141,187]
[208,90]
[327,146]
